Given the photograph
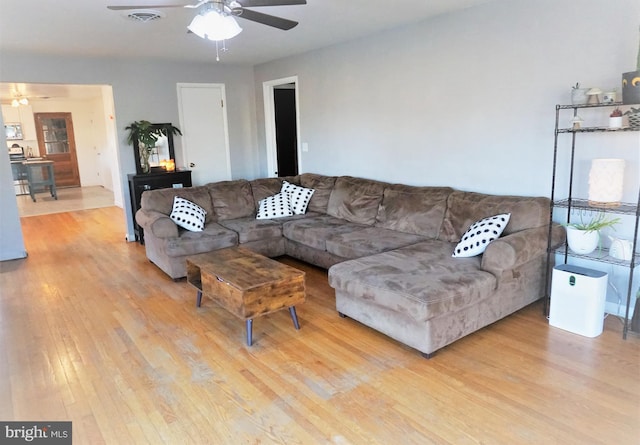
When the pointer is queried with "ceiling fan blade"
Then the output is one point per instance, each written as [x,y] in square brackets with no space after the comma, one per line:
[266,19]
[125,8]
[255,3]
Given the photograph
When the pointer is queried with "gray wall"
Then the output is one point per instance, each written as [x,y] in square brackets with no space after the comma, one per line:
[147,90]
[465,99]
[11,241]
[468,100]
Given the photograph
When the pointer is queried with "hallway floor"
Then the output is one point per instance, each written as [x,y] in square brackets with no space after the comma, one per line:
[69,199]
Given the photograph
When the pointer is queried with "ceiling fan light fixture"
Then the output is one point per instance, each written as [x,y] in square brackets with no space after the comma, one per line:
[15,103]
[213,25]
[23,101]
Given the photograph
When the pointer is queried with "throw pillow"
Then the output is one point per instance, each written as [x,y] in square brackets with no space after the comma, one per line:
[188,215]
[275,206]
[476,239]
[299,197]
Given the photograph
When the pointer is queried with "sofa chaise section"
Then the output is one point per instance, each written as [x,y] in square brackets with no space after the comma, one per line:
[423,297]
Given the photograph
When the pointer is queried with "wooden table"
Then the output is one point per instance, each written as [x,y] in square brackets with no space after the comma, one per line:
[246,284]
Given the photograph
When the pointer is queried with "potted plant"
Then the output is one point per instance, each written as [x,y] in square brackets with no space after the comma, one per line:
[147,134]
[579,95]
[634,117]
[615,118]
[583,238]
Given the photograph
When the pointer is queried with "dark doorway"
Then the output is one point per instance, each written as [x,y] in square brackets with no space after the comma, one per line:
[284,98]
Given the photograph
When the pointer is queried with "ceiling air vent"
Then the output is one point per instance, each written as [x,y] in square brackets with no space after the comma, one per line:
[145,15]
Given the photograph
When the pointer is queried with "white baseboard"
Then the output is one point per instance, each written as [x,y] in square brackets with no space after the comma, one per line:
[614,309]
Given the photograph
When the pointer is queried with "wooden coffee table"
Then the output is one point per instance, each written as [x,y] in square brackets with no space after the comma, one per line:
[246,284]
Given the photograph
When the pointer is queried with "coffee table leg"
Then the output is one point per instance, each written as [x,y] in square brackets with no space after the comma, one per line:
[294,317]
[249,329]
[198,298]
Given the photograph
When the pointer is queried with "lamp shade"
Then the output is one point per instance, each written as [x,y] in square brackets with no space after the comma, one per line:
[606,179]
[213,25]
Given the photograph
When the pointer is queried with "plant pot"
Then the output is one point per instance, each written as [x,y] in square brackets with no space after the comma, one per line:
[615,122]
[631,87]
[582,242]
[579,96]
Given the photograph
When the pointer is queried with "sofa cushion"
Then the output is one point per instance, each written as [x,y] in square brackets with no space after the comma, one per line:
[275,206]
[161,200]
[188,215]
[323,185]
[251,229]
[464,208]
[213,237]
[421,281]
[313,231]
[232,199]
[476,239]
[418,210]
[355,199]
[368,241]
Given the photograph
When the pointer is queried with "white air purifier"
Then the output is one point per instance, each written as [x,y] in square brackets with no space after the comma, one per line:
[578,297]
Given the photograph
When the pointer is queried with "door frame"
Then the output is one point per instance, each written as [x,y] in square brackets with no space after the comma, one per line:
[225,122]
[270,123]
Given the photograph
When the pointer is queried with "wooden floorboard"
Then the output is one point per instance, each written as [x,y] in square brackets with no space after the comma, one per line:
[92,332]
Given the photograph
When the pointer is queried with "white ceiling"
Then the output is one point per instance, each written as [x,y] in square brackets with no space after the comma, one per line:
[88,28]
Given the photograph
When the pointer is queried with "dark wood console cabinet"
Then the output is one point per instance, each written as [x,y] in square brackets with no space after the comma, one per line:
[151,181]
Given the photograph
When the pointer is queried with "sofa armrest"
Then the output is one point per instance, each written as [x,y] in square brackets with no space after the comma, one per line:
[518,248]
[157,223]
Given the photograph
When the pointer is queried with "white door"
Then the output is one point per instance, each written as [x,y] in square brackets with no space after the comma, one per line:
[205,140]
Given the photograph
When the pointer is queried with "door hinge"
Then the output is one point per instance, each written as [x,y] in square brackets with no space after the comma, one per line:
[221,103]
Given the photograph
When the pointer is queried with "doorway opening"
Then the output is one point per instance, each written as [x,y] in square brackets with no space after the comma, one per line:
[282,124]
[93,165]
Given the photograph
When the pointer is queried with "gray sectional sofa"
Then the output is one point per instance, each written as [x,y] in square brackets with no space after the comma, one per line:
[388,248]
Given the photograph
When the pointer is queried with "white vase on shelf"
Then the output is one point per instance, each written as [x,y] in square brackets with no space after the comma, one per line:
[615,122]
[582,242]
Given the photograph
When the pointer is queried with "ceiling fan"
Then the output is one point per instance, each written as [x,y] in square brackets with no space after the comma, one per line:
[235,8]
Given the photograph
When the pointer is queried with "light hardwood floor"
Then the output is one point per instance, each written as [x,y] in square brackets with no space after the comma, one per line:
[91,332]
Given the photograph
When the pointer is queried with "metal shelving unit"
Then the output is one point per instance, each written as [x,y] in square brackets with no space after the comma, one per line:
[569,203]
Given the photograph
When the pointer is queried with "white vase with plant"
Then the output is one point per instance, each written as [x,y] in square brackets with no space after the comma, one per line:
[579,95]
[615,118]
[583,238]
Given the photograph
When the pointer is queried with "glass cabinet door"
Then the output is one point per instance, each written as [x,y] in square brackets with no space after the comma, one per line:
[56,139]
